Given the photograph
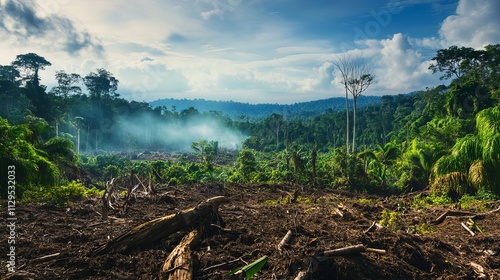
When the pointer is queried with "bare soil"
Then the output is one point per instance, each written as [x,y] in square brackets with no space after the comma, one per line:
[252,224]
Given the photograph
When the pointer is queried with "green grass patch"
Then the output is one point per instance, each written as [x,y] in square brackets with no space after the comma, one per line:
[61,196]
[424,201]
[424,228]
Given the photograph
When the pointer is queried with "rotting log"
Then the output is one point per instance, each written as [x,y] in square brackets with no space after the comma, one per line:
[179,264]
[157,229]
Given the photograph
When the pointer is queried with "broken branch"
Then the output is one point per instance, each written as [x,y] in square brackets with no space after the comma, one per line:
[468,229]
[285,240]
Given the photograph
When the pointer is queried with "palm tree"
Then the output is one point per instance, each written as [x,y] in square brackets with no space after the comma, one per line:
[474,160]
[387,155]
[380,160]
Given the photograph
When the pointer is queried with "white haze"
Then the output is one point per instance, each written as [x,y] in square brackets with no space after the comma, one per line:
[177,135]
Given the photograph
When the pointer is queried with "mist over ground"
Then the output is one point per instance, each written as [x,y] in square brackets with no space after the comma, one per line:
[177,135]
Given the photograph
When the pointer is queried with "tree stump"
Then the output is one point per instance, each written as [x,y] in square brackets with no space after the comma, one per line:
[179,264]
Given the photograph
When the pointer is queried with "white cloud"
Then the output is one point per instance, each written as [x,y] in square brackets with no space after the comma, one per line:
[399,65]
[251,51]
[149,76]
[475,24]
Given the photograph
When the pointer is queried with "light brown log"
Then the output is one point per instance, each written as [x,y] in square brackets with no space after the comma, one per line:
[378,251]
[285,240]
[160,228]
[179,264]
[351,250]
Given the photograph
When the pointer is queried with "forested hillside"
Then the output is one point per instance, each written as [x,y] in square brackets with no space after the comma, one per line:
[446,137]
[237,109]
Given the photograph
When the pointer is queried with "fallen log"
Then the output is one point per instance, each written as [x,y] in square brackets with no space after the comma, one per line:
[179,264]
[157,229]
[464,214]
[351,250]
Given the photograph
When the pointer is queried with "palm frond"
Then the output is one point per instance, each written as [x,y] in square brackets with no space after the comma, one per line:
[468,148]
[491,148]
[449,164]
[488,123]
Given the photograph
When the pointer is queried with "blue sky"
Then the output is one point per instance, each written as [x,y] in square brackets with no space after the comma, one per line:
[251,51]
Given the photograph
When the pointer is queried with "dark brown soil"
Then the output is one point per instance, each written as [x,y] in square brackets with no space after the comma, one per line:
[255,220]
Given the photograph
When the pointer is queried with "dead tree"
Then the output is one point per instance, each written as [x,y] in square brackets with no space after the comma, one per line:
[157,229]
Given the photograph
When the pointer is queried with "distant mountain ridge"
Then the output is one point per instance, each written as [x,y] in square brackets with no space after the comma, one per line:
[235,109]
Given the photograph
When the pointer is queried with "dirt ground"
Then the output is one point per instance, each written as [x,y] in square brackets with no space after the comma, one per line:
[252,224]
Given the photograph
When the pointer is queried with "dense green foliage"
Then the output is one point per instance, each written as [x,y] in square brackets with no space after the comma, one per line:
[445,137]
[254,111]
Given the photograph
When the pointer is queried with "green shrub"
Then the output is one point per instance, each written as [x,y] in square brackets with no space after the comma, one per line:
[424,228]
[62,195]
[391,220]
[423,201]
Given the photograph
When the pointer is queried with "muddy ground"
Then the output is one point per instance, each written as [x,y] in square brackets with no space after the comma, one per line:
[254,221]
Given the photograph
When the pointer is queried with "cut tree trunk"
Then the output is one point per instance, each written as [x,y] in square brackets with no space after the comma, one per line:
[157,229]
[179,264]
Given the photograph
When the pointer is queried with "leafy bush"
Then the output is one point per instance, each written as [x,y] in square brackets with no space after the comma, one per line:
[424,228]
[392,220]
[32,166]
[62,195]
[423,201]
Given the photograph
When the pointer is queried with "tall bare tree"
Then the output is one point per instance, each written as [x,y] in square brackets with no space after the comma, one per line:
[360,80]
[344,65]
[356,77]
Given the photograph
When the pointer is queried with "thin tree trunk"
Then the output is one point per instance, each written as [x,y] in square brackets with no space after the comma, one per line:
[354,99]
[347,120]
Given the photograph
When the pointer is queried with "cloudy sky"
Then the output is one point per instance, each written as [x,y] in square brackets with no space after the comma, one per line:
[257,51]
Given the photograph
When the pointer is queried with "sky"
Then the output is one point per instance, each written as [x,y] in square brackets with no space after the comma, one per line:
[255,51]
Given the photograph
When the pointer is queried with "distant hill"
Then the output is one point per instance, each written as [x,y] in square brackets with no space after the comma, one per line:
[235,109]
